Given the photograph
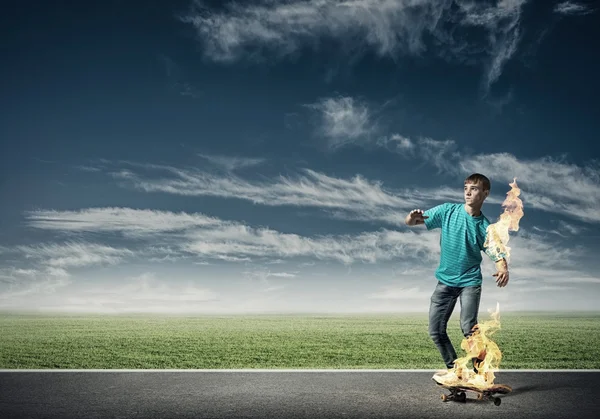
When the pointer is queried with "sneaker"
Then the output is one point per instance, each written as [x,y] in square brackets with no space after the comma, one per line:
[446,377]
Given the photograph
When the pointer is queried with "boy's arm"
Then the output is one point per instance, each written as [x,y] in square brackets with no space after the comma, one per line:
[432,220]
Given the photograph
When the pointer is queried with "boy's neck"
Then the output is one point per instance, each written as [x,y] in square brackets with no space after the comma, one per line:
[473,211]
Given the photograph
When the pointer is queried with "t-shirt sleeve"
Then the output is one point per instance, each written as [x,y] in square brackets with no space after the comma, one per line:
[436,216]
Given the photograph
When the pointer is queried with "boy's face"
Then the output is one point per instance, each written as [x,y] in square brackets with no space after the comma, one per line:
[474,194]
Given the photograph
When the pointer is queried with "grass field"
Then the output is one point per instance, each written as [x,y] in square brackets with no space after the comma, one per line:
[540,340]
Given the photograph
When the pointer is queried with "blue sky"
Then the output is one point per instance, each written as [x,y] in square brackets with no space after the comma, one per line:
[214,157]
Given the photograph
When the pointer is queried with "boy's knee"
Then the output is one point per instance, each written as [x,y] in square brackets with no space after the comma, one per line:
[436,336]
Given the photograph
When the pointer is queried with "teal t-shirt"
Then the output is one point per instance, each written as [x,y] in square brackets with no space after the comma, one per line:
[461,244]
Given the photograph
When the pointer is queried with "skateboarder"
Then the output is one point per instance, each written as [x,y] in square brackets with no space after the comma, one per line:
[463,233]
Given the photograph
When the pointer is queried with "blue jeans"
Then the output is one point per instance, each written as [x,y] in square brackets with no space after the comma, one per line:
[443,301]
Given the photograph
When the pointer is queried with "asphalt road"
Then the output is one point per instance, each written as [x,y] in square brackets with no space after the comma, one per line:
[286,394]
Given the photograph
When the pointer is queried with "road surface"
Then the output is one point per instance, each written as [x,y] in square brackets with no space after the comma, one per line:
[286,394]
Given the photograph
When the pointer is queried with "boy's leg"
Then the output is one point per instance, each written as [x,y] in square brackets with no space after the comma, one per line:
[469,310]
[442,304]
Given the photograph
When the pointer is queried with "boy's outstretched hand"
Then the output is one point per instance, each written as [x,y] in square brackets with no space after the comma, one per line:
[501,278]
[416,217]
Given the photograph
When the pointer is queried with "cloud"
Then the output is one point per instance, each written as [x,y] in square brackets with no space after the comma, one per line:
[572,8]
[225,240]
[283,275]
[131,222]
[12,274]
[26,282]
[551,184]
[49,264]
[243,241]
[570,228]
[343,120]
[231,163]
[74,254]
[85,168]
[440,154]
[309,188]
[385,27]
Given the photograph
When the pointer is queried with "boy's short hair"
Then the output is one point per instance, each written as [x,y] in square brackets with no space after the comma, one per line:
[478,177]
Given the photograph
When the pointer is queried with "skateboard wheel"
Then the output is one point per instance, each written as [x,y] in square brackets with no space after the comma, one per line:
[444,398]
[497,401]
[480,396]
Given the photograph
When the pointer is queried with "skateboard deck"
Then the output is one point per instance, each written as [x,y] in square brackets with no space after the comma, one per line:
[459,393]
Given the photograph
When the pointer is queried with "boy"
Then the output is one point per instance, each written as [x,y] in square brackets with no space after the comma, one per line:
[459,273]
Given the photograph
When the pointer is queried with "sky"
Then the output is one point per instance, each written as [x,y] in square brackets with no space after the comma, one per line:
[261,156]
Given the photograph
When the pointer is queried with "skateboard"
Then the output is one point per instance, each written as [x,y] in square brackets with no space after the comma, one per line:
[458,393]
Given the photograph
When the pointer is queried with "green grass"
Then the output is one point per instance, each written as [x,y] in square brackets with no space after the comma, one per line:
[540,340]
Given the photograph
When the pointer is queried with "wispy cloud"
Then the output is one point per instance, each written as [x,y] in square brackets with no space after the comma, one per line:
[49,264]
[385,27]
[552,184]
[356,198]
[74,254]
[85,168]
[130,222]
[224,240]
[572,8]
[243,241]
[344,120]
[440,154]
[18,282]
[357,195]
[232,163]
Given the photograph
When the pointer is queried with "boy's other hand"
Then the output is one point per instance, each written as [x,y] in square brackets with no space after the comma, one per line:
[501,278]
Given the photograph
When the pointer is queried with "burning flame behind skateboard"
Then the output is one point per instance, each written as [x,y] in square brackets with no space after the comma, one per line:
[458,392]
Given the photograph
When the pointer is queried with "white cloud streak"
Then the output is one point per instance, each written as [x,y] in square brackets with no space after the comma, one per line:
[74,254]
[130,222]
[572,8]
[356,197]
[232,163]
[386,27]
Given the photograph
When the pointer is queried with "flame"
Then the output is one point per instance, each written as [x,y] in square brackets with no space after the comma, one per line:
[479,345]
[497,234]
